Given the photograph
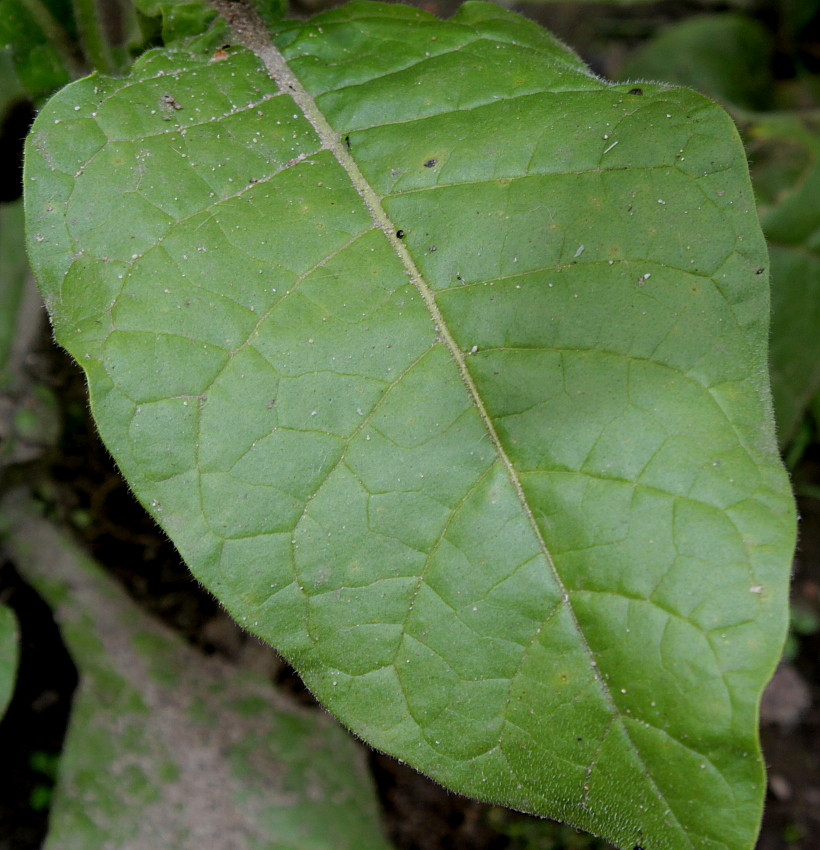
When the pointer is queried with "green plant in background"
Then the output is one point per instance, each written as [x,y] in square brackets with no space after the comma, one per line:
[802,623]
[46,766]
[9,655]
[443,363]
[540,835]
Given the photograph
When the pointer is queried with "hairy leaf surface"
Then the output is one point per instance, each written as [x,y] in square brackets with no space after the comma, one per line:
[443,362]
[728,56]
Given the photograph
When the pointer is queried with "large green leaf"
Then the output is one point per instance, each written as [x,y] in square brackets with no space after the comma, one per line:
[9,656]
[443,362]
[169,748]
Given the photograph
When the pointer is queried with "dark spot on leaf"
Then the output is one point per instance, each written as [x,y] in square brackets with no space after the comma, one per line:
[347,142]
[759,271]
[635,91]
[400,234]
[430,163]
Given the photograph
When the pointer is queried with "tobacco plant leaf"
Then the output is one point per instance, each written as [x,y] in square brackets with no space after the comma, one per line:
[443,362]
[729,57]
[169,748]
[9,656]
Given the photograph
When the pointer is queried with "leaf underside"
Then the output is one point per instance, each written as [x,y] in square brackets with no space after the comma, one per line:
[444,367]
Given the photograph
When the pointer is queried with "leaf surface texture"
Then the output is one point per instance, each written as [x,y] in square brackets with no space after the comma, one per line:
[444,366]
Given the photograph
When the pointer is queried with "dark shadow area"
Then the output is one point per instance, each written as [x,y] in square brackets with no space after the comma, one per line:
[33,729]
[422,815]
[14,125]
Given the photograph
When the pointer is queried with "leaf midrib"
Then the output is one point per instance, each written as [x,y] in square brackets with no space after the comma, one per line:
[251,32]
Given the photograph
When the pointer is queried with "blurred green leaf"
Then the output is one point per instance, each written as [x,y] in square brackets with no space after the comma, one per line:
[11,89]
[726,56]
[40,797]
[169,748]
[530,834]
[804,621]
[785,155]
[45,763]
[798,16]
[588,2]
[189,22]
[38,36]
[13,270]
[37,418]
[9,656]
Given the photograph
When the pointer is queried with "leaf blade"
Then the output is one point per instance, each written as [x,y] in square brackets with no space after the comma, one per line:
[396,636]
